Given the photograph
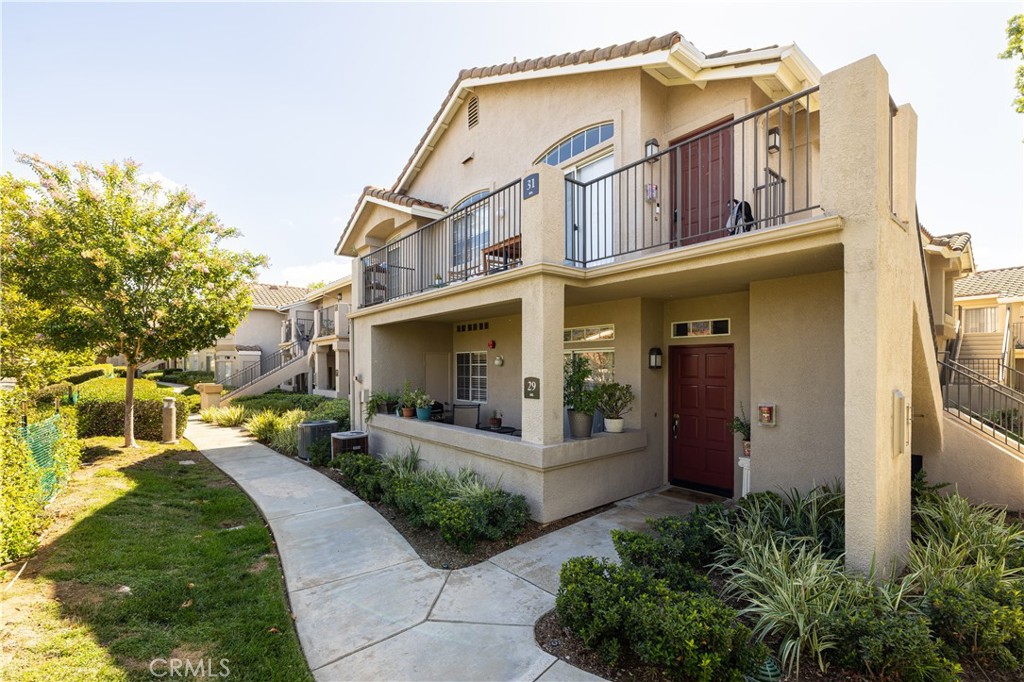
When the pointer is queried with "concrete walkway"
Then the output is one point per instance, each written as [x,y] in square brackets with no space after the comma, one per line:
[368,608]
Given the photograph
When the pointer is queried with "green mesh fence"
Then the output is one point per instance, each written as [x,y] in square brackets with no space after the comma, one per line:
[41,438]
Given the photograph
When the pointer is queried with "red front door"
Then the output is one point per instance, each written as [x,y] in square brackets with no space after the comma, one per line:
[701,394]
[701,184]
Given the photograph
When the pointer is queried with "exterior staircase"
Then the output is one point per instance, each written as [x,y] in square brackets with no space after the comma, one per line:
[271,372]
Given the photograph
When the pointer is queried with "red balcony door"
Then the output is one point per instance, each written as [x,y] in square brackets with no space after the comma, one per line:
[701,395]
[700,184]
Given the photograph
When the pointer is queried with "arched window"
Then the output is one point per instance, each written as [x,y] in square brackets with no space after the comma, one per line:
[577,144]
[470,228]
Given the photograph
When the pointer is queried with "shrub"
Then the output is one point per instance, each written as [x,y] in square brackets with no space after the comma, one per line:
[952,520]
[974,624]
[337,410]
[101,409]
[263,425]
[22,493]
[153,375]
[364,472]
[693,636]
[280,401]
[46,394]
[229,415]
[640,550]
[286,440]
[192,402]
[188,378]
[120,372]
[320,451]
[888,645]
[78,375]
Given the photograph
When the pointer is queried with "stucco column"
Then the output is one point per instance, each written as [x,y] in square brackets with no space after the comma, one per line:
[878,310]
[543,217]
[543,322]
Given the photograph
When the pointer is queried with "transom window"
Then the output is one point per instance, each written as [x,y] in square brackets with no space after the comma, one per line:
[471,376]
[577,144]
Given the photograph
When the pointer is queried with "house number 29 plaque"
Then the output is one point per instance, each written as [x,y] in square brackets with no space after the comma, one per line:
[531,388]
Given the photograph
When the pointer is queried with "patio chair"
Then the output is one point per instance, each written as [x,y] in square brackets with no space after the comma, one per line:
[465,415]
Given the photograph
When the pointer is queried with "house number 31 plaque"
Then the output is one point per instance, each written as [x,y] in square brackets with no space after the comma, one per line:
[531,388]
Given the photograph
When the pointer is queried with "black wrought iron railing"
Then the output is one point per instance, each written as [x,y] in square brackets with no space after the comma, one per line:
[755,172]
[303,325]
[983,403]
[287,335]
[480,238]
[266,365]
[1018,335]
[326,321]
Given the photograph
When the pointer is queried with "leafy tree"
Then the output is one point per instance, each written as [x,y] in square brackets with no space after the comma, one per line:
[25,352]
[126,266]
[1015,48]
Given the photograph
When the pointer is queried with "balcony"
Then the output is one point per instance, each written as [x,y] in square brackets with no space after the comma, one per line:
[326,321]
[739,176]
[478,239]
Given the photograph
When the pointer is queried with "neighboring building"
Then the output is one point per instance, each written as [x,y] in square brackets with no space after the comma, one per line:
[253,341]
[990,317]
[590,212]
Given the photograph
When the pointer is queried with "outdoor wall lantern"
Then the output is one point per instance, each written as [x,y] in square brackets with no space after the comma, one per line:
[774,140]
[654,358]
[499,361]
[651,147]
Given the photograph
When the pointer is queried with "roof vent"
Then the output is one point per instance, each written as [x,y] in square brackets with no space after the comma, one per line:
[473,111]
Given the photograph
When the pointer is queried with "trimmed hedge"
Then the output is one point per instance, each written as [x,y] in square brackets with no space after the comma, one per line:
[101,409]
[337,410]
[78,375]
[46,394]
[188,378]
[280,402]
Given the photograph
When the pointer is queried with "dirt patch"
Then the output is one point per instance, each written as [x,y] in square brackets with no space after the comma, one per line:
[439,554]
[76,594]
[259,565]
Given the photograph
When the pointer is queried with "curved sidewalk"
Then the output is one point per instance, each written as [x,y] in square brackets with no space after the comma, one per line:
[368,608]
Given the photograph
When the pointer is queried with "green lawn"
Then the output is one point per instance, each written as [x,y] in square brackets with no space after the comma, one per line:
[205,583]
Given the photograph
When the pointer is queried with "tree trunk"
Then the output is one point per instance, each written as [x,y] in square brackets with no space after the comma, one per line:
[129,408]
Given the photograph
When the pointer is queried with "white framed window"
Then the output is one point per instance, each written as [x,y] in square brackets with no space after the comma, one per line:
[602,363]
[471,229]
[471,376]
[980,320]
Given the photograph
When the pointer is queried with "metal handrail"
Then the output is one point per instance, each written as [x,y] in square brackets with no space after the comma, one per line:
[256,371]
[326,317]
[987,406]
[671,198]
[478,238]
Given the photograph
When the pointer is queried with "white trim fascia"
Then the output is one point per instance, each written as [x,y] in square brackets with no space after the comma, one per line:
[417,211]
[1010,299]
[976,297]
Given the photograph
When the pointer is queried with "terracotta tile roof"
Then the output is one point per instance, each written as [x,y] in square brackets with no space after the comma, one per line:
[273,295]
[1003,282]
[957,241]
[592,56]
[385,195]
[399,198]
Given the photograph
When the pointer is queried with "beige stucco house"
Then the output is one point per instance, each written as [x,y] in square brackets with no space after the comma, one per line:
[253,341]
[990,317]
[586,204]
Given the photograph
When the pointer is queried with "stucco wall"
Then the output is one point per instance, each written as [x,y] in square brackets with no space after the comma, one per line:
[981,470]
[504,391]
[796,333]
[260,328]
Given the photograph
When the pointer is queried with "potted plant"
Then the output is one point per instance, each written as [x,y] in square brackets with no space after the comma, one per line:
[614,400]
[423,404]
[578,396]
[438,280]
[495,421]
[407,400]
[741,425]
[380,401]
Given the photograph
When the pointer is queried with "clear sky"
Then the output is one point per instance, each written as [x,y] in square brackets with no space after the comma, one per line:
[277,115]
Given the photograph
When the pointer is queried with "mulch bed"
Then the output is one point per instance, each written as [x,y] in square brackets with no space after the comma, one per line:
[439,554]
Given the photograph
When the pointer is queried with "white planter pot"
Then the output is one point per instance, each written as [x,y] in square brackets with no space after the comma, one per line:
[613,425]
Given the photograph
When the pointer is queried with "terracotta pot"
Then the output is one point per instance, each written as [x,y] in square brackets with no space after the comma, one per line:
[494,422]
[409,412]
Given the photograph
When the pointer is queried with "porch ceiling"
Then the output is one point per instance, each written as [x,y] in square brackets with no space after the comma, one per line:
[502,309]
[692,282]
